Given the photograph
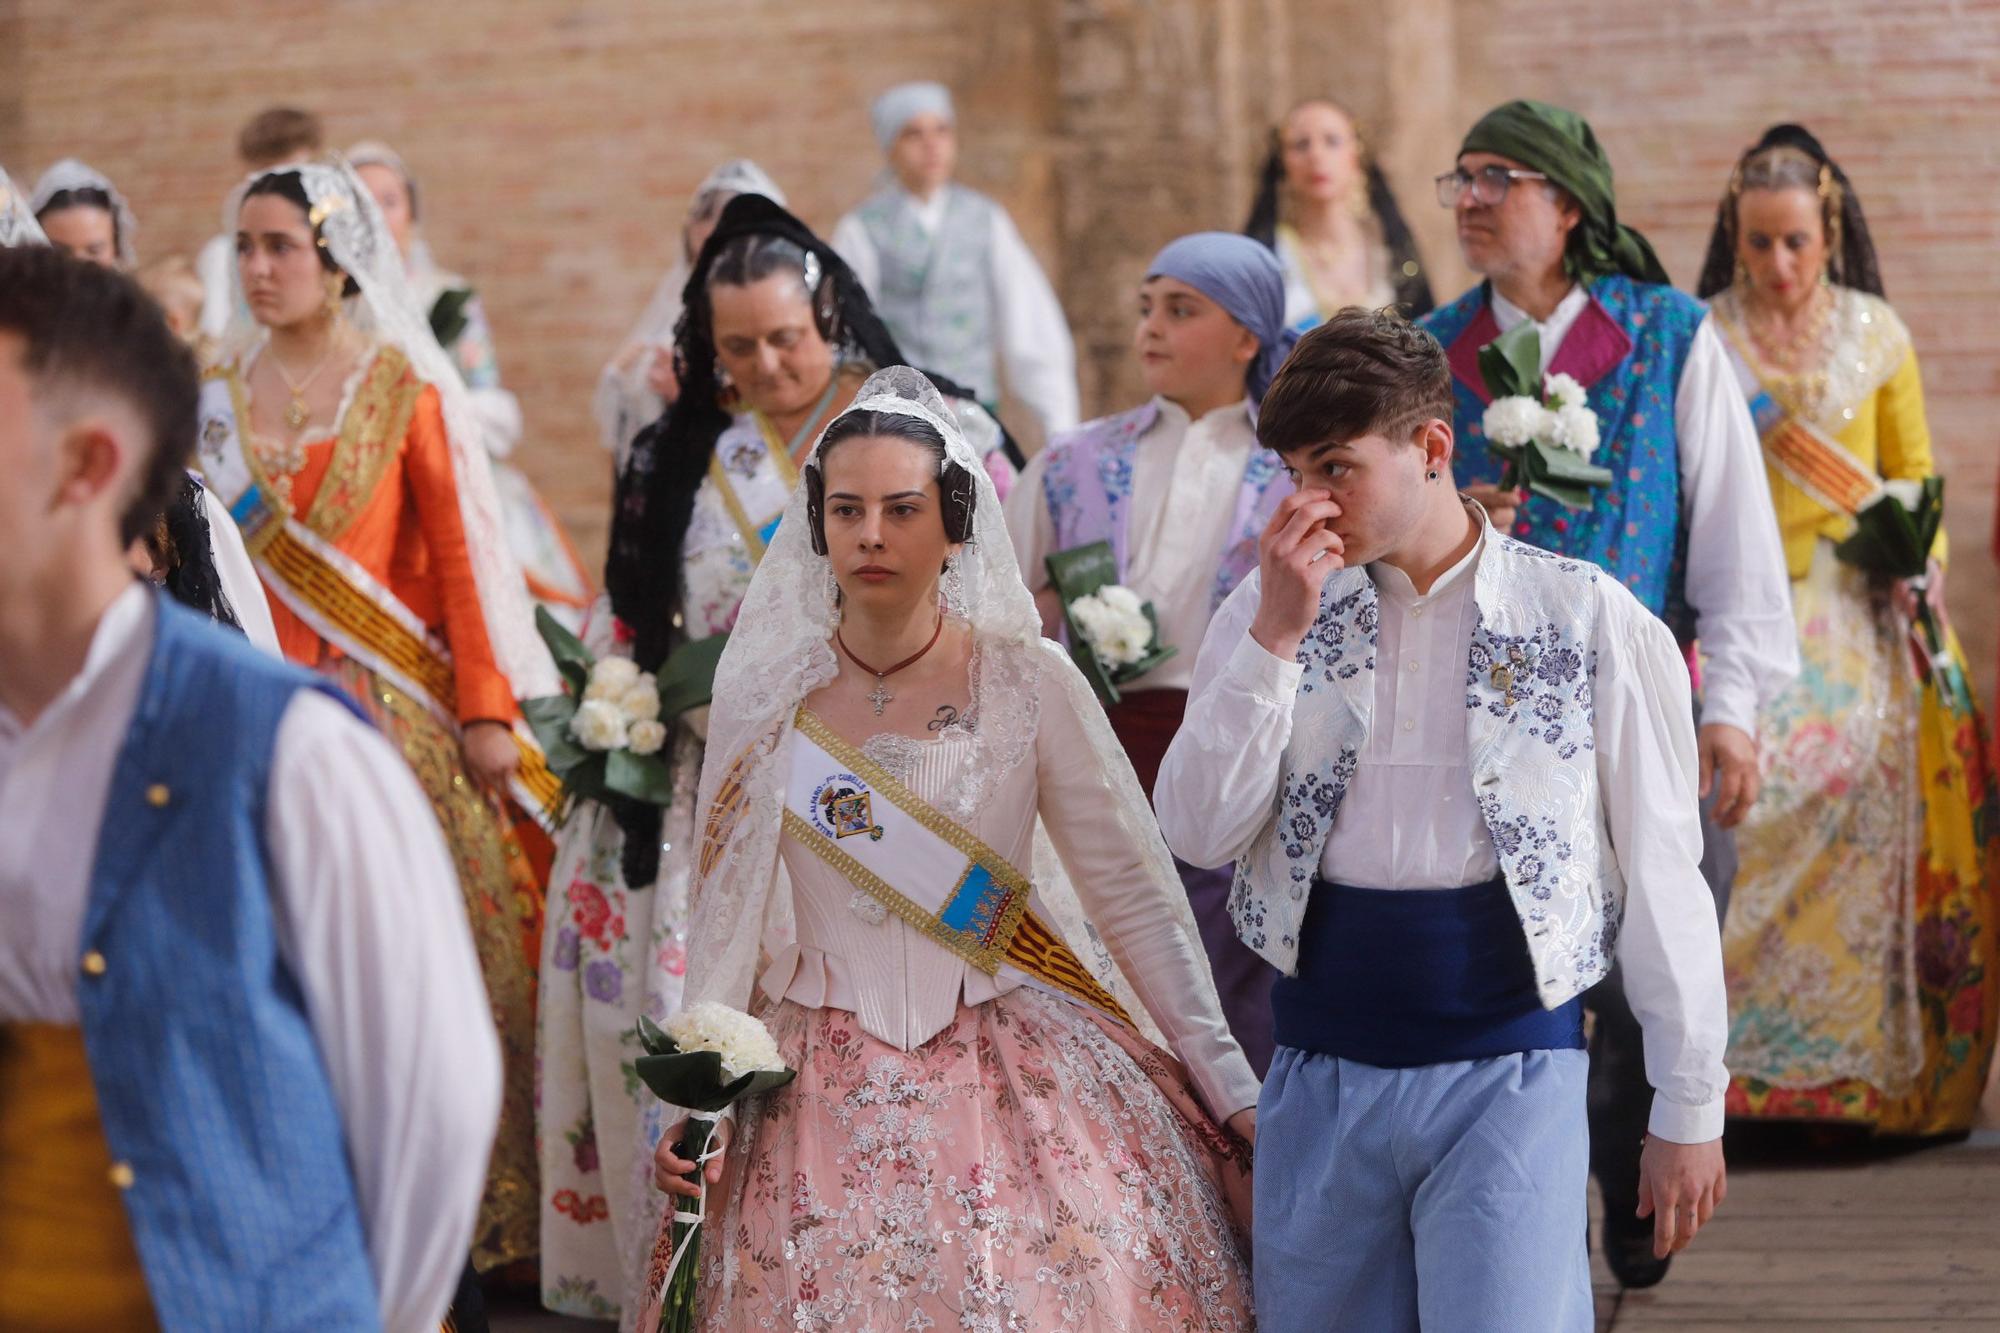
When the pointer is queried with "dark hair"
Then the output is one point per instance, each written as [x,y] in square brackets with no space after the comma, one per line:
[1788,156]
[277,133]
[748,259]
[180,546]
[86,196]
[957,492]
[1406,271]
[288,186]
[1362,372]
[95,329]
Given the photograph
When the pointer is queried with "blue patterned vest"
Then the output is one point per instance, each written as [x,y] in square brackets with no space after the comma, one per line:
[936,292]
[1628,349]
[1530,691]
[208,1077]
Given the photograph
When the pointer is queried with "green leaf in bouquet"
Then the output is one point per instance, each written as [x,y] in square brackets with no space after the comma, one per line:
[1930,516]
[1085,657]
[572,658]
[1082,570]
[654,1040]
[549,717]
[1568,480]
[687,678]
[450,315]
[1156,652]
[643,777]
[1512,363]
[1567,465]
[694,1080]
[1885,540]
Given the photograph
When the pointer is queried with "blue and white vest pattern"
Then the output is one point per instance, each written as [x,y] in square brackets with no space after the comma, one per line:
[936,291]
[1529,685]
[208,1076]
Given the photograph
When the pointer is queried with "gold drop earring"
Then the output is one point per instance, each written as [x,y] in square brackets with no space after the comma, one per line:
[334,286]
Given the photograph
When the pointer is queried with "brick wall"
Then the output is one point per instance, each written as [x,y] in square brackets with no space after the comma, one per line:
[557,146]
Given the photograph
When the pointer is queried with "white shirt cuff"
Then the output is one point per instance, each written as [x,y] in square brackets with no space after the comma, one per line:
[1685,1124]
[1262,673]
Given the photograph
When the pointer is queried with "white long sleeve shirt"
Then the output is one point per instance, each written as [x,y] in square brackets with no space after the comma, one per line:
[1737,581]
[1185,478]
[1034,349]
[1410,819]
[368,916]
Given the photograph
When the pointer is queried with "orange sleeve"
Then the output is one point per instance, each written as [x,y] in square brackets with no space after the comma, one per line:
[483,692]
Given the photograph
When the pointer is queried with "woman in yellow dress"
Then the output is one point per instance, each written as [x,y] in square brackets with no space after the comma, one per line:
[341,440]
[1860,940]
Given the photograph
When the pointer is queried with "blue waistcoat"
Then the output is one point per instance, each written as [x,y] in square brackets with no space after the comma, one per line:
[1628,349]
[209,1081]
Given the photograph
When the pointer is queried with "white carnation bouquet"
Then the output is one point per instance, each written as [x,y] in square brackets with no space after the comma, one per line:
[1114,635]
[707,1058]
[604,733]
[1545,430]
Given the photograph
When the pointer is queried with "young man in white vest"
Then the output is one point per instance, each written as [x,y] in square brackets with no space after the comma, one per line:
[1457,774]
[949,273]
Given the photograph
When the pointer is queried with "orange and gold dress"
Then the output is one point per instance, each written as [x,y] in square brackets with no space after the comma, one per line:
[382,491]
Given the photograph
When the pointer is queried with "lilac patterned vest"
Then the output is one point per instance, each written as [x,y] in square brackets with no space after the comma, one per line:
[1087,485]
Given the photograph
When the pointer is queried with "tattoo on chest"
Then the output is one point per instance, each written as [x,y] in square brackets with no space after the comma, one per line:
[946,715]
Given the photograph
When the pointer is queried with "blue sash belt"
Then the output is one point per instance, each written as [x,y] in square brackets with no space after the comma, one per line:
[1403,977]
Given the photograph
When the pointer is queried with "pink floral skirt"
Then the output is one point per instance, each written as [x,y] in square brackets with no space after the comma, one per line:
[1030,1167]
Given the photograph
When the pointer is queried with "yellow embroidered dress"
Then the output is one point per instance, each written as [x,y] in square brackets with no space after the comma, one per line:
[1859,945]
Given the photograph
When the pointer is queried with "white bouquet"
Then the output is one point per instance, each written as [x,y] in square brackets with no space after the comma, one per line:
[1543,428]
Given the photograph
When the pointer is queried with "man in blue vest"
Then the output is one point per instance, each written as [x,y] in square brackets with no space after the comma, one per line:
[248,1080]
[1686,524]
[949,272]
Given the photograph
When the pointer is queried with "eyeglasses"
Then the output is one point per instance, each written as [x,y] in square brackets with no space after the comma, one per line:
[1488,185]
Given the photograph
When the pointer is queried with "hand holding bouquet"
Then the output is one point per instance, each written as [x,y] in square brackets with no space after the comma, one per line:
[1893,536]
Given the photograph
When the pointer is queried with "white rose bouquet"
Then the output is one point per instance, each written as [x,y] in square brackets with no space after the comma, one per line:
[1114,635]
[1545,430]
[708,1057]
[604,734]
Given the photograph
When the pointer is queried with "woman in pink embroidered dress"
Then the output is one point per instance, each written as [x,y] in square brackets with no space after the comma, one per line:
[970,1142]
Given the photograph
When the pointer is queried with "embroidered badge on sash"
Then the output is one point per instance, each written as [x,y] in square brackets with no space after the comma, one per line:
[842,809]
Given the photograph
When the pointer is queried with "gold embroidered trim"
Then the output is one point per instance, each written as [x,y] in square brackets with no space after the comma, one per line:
[239,403]
[371,434]
[753,539]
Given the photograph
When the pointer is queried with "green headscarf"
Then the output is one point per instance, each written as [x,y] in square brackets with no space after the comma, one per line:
[1560,144]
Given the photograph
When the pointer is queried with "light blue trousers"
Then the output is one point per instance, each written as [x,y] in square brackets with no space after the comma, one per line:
[1446,1197]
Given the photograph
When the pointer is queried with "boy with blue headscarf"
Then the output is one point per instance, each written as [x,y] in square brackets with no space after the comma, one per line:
[1180,490]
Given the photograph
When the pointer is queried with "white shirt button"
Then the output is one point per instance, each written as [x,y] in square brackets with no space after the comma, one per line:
[1413,665]
[1409,724]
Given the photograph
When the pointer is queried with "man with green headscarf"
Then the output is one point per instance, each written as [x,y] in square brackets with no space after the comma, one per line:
[1686,523]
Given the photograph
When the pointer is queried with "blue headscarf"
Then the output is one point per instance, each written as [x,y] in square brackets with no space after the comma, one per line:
[1243,278]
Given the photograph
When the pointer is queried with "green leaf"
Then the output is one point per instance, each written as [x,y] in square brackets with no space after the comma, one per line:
[1567,465]
[549,717]
[654,1040]
[1082,570]
[565,647]
[449,317]
[643,777]
[687,678]
[1512,363]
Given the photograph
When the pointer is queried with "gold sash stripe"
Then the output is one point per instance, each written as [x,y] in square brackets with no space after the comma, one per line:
[1822,469]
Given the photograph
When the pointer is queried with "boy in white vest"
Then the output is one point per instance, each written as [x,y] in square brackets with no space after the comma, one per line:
[1456,774]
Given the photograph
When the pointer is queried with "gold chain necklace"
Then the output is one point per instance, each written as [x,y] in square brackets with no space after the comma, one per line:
[1785,354]
[296,414]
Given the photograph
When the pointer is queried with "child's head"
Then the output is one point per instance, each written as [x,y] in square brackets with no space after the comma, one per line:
[1211,320]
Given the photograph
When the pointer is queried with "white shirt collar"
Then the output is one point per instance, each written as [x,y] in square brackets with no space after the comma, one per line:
[120,631]
[930,212]
[1553,329]
[1172,413]
[1393,584]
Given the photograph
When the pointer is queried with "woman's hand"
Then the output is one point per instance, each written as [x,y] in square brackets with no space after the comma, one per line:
[1244,1125]
[671,1173]
[1502,507]
[491,755]
[1906,594]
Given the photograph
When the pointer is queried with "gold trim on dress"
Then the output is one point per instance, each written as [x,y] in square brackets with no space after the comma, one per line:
[370,435]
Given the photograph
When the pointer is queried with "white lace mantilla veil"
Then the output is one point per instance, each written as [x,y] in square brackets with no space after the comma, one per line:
[781,651]
[17,220]
[70,174]
[359,241]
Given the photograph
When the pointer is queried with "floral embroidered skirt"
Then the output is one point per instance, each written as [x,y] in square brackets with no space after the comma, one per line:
[503,903]
[1030,1167]
[1859,946]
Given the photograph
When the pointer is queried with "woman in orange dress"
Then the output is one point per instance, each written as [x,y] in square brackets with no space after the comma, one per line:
[337,434]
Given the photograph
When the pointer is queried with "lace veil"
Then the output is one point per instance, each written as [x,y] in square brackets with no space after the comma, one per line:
[70,174]
[385,309]
[781,651]
[17,220]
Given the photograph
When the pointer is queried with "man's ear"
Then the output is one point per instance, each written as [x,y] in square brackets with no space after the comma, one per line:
[1434,437]
[89,461]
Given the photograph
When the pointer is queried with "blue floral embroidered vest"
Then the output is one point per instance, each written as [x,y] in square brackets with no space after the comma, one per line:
[1087,486]
[1530,682]
[936,291]
[208,1077]
[1628,349]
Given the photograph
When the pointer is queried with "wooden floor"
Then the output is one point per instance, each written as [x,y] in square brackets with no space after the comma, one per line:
[1842,1240]
[1849,1242]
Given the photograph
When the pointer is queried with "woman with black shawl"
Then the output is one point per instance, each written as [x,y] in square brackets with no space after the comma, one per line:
[775,337]
[1859,946]
[1326,210]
